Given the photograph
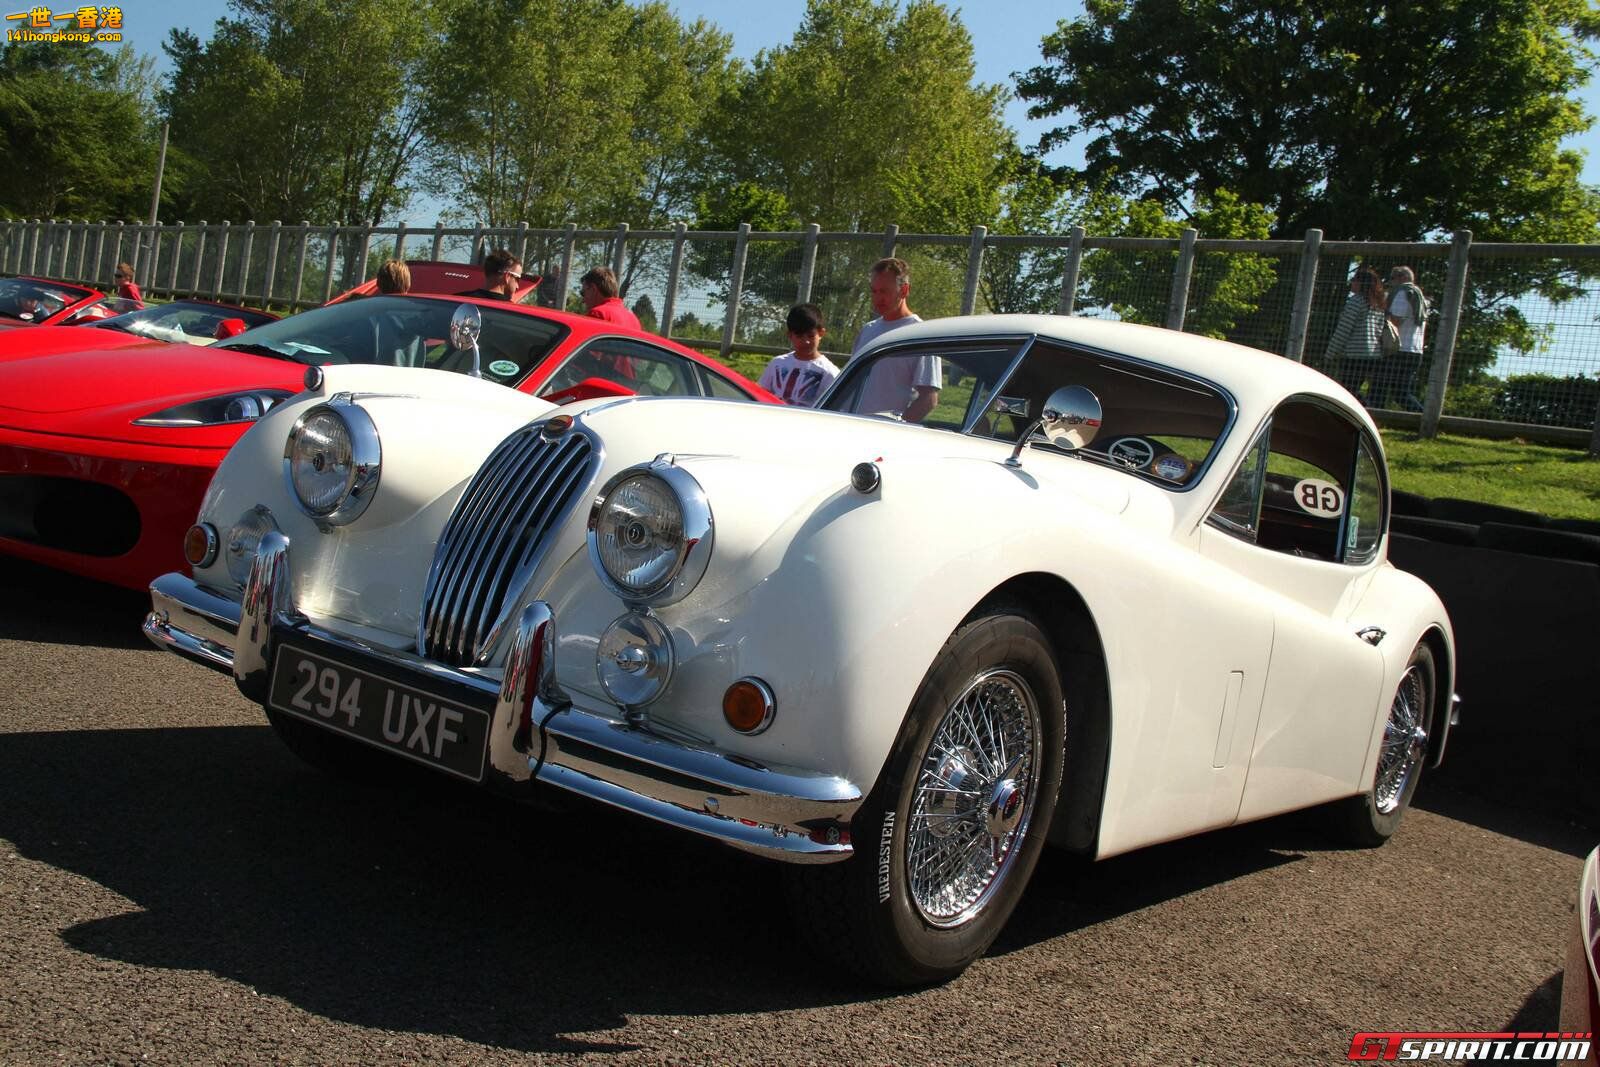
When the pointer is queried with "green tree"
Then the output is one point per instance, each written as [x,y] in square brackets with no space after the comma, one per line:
[1137,285]
[1368,120]
[869,116]
[75,132]
[298,109]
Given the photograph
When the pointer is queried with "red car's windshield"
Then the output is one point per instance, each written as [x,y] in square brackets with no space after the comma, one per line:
[35,301]
[405,331]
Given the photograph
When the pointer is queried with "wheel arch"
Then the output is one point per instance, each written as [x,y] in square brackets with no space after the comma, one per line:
[1086,687]
[1444,672]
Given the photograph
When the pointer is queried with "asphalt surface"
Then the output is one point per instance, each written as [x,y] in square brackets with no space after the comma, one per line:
[176,888]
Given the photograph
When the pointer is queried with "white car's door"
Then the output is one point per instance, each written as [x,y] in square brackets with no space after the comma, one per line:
[1301,520]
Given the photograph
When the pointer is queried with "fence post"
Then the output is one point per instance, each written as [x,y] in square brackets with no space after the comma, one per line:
[1305,291]
[83,247]
[730,321]
[669,303]
[475,254]
[522,244]
[222,258]
[33,248]
[300,265]
[177,259]
[568,239]
[272,262]
[1444,342]
[1182,273]
[155,256]
[244,257]
[100,250]
[808,263]
[1069,277]
[362,258]
[438,239]
[399,242]
[969,293]
[618,253]
[327,270]
[891,237]
[49,246]
[199,257]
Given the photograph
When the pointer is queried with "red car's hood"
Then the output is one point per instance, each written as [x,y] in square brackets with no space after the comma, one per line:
[99,393]
[53,340]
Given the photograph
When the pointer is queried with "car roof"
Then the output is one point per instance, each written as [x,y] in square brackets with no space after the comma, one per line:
[1257,379]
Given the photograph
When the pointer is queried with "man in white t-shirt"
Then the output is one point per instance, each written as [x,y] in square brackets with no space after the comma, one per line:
[907,387]
[802,374]
[1408,310]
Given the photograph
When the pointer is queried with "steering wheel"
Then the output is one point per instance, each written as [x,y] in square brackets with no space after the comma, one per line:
[1133,452]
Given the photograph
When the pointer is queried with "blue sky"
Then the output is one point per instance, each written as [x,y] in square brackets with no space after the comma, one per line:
[1005,38]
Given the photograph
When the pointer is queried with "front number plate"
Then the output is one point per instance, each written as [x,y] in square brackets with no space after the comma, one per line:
[389,715]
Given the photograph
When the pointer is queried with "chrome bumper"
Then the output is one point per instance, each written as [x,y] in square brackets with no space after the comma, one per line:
[785,813]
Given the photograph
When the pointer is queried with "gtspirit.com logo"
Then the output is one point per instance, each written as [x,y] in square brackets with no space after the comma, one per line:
[1529,1047]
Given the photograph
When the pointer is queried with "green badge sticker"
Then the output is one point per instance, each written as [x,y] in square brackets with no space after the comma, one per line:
[502,368]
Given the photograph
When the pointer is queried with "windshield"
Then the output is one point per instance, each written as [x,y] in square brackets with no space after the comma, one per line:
[31,301]
[1156,423]
[406,331]
[182,321]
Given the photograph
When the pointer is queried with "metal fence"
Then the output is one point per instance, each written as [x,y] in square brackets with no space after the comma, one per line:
[1513,343]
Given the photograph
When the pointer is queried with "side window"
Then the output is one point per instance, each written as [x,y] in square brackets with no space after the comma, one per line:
[1309,487]
[717,385]
[1365,527]
[1239,510]
[637,367]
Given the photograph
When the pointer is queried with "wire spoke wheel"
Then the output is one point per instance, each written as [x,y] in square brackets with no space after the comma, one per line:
[1405,741]
[974,798]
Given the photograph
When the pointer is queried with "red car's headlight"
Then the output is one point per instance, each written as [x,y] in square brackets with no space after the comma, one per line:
[246,406]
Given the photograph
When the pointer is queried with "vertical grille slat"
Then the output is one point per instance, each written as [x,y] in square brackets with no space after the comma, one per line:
[505,517]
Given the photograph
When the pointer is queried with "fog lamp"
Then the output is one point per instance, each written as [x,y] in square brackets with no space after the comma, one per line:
[634,661]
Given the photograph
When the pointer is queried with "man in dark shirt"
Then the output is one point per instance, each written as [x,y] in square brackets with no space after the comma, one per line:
[501,273]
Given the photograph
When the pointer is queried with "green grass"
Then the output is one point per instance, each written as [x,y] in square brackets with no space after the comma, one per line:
[1553,481]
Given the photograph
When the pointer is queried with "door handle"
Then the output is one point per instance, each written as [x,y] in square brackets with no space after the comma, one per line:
[1371,634]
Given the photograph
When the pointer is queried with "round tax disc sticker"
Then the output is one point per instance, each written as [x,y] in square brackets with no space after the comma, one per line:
[1320,498]
[502,368]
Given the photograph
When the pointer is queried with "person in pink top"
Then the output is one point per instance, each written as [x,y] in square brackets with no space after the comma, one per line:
[598,288]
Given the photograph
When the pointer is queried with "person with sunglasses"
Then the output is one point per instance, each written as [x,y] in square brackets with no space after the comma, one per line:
[502,272]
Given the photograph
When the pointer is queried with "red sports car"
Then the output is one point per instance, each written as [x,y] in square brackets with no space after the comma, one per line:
[106,449]
[42,302]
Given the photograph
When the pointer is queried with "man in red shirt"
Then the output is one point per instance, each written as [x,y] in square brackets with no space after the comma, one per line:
[598,288]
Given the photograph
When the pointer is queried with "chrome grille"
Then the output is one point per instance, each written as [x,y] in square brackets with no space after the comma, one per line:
[491,544]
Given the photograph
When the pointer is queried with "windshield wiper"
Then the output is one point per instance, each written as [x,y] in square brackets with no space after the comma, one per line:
[262,350]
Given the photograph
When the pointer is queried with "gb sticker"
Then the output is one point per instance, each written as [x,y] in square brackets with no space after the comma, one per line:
[1322,499]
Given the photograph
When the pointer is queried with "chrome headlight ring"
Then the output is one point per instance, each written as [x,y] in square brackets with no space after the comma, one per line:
[671,545]
[339,435]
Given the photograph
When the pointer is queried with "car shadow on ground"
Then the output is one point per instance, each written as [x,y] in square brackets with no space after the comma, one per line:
[62,609]
[436,909]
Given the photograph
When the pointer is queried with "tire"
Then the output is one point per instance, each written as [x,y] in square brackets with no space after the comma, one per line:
[338,756]
[989,717]
[1370,819]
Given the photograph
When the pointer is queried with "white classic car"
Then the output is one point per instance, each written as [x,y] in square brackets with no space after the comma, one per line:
[1122,585]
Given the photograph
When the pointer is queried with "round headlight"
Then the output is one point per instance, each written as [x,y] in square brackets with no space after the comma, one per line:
[239,551]
[332,460]
[650,534]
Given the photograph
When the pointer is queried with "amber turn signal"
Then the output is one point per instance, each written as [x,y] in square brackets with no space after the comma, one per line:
[748,705]
[200,545]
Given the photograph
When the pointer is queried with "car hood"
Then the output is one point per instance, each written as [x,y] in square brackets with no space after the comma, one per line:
[99,393]
[54,340]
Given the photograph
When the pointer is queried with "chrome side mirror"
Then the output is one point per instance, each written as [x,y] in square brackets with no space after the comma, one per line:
[1070,420]
[466,326]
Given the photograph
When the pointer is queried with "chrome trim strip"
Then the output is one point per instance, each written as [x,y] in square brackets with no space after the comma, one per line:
[781,812]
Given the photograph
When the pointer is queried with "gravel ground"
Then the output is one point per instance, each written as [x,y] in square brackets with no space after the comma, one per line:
[176,888]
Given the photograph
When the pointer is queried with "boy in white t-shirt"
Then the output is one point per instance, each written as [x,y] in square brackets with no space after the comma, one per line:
[800,376]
